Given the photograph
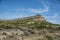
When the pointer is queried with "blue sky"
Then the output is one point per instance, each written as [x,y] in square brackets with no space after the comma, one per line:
[50,9]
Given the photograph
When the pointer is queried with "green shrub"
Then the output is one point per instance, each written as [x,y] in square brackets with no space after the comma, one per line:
[49,37]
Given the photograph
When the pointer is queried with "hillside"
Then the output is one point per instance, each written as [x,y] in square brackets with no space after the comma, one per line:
[29,28]
[36,21]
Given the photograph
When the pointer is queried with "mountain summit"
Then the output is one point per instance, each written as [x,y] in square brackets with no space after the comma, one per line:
[38,17]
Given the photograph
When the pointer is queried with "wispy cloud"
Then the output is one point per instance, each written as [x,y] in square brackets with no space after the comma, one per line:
[41,10]
[35,10]
[54,19]
[56,15]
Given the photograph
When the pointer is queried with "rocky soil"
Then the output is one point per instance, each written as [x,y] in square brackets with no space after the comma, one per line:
[17,34]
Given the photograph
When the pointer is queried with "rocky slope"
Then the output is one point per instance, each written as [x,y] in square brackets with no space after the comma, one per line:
[29,28]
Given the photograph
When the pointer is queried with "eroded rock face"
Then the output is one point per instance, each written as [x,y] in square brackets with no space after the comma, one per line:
[39,18]
[29,35]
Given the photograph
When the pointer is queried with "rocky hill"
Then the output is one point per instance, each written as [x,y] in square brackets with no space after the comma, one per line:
[29,28]
[31,21]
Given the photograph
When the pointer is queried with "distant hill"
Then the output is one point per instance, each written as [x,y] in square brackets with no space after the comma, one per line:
[33,22]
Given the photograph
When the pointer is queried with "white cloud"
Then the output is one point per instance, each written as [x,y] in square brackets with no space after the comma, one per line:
[56,15]
[34,10]
[54,19]
[46,9]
